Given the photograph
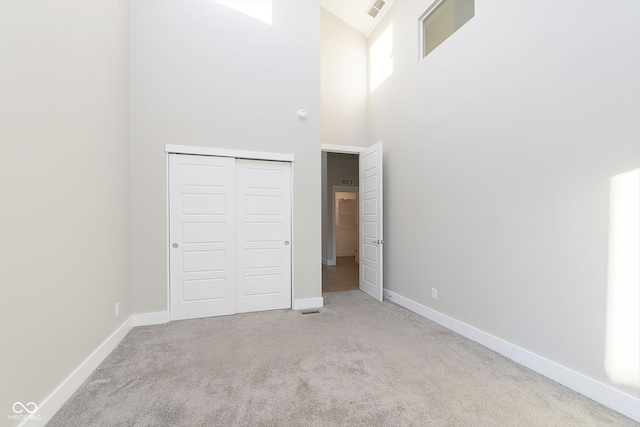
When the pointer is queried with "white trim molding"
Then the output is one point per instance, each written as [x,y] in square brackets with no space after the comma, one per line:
[147,319]
[222,152]
[52,403]
[305,304]
[602,393]
[343,149]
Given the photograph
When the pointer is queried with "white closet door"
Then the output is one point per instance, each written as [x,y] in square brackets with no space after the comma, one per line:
[202,236]
[263,201]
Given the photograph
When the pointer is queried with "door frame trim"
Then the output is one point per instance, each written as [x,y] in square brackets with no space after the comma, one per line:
[223,152]
[342,149]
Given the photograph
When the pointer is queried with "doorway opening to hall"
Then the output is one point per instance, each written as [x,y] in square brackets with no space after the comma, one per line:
[340,222]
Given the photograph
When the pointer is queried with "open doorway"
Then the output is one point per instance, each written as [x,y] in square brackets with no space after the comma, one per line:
[340,222]
[365,164]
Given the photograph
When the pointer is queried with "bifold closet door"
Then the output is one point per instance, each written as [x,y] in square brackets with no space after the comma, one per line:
[263,235]
[202,236]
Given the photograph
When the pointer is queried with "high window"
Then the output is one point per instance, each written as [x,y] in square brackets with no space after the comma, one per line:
[442,19]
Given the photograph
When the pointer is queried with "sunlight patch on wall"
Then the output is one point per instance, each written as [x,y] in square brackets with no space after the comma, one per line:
[622,358]
[381,58]
[261,10]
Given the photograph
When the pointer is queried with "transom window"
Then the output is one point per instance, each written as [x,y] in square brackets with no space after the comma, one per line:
[442,19]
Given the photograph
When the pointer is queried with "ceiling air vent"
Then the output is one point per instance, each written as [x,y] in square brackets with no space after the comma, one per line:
[375,7]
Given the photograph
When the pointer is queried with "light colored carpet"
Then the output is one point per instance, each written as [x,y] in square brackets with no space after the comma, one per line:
[357,363]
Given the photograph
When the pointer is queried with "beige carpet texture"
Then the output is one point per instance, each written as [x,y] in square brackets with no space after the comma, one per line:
[358,362]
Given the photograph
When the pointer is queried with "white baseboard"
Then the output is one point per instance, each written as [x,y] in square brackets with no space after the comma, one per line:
[602,393]
[48,408]
[304,304]
[147,319]
[52,403]
[330,262]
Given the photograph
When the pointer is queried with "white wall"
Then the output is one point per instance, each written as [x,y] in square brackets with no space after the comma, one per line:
[344,82]
[64,203]
[343,65]
[206,75]
[500,146]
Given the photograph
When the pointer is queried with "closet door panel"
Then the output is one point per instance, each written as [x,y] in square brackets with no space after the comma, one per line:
[263,235]
[202,236]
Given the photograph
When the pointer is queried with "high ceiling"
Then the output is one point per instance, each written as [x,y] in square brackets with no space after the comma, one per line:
[354,13]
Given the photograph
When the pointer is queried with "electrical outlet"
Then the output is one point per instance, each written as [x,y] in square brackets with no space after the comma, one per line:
[434,293]
[117,309]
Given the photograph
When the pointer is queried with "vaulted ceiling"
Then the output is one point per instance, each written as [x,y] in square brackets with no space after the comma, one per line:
[354,12]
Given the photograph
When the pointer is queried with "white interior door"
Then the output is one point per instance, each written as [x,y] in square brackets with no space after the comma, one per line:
[202,236]
[371,244]
[263,235]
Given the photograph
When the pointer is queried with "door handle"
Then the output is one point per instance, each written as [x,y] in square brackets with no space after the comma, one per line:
[378,242]
[175,245]
[286,242]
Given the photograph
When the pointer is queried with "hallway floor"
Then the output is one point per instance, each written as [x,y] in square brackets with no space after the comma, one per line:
[341,277]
